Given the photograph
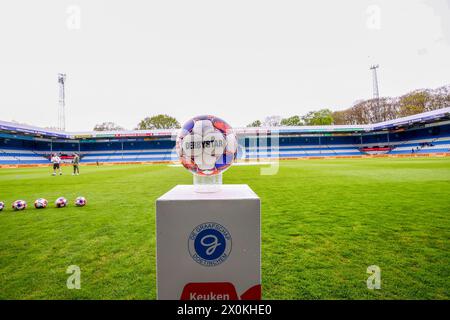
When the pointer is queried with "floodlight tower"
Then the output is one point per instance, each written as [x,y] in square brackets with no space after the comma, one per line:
[376,94]
[62,102]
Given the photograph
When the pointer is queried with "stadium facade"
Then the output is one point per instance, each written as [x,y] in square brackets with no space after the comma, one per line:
[421,134]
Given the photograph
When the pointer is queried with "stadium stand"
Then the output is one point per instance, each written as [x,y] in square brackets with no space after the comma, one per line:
[426,133]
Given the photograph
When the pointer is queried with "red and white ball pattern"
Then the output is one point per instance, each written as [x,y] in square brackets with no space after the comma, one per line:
[80,201]
[206,145]
[19,205]
[61,202]
[40,203]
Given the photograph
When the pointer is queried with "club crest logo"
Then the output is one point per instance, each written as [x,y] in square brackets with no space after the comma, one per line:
[209,244]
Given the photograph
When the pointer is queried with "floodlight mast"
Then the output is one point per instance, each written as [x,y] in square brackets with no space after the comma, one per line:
[62,102]
[376,94]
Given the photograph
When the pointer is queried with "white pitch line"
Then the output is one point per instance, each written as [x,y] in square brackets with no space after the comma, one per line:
[261,163]
[253,163]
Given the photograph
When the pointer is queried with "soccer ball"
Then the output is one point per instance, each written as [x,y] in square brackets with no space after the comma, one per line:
[206,145]
[40,203]
[80,201]
[19,205]
[2,205]
[61,202]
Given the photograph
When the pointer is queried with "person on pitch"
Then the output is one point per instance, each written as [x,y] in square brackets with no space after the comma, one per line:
[76,164]
[56,161]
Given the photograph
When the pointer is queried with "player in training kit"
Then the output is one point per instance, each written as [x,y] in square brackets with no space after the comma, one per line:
[56,164]
[76,164]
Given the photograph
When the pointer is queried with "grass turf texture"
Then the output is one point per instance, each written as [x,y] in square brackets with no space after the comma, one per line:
[323,223]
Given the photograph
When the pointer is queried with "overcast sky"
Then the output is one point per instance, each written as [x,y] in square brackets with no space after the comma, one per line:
[240,60]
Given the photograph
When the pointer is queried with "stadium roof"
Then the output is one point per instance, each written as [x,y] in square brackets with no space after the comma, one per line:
[430,116]
[414,119]
[14,127]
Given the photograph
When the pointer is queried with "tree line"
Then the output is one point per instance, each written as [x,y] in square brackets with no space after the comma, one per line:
[368,111]
[160,121]
[362,112]
[389,108]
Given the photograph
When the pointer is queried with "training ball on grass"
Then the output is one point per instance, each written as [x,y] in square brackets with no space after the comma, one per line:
[61,202]
[2,205]
[80,201]
[19,205]
[40,203]
[206,145]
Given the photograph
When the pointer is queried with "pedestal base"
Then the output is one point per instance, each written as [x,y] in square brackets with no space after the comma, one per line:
[208,244]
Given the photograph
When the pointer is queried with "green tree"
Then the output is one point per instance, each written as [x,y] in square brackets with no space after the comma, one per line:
[160,121]
[292,121]
[255,123]
[107,126]
[317,118]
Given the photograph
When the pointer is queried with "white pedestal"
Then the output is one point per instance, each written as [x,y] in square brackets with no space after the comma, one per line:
[208,244]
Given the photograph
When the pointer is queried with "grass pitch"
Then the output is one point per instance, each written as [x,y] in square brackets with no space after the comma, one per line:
[323,223]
